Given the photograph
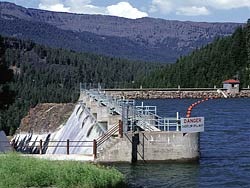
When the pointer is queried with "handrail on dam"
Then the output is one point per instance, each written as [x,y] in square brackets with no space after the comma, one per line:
[107,135]
[114,105]
[43,145]
[142,116]
[149,114]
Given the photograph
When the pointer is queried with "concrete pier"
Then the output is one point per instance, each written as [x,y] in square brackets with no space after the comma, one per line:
[153,147]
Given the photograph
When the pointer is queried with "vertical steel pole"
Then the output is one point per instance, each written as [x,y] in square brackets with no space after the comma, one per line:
[120,129]
[143,145]
[177,119]
[41,147]
[95,149]
[67,146]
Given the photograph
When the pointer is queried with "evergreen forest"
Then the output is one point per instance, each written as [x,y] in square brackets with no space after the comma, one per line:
[225,58]
[32,74]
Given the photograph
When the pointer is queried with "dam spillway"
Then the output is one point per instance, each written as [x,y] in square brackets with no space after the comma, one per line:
[81,126]
[114,130]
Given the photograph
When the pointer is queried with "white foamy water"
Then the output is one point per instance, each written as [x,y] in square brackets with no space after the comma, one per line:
[81,128]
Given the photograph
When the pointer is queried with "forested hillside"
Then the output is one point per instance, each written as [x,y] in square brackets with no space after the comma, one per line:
[223,59]
[42,74]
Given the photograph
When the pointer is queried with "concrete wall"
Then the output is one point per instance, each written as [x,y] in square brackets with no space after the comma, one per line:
[165,146]
[4,143]
[117,150]
[158,146]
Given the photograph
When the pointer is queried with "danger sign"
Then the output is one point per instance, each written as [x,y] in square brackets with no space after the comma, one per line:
[191,125]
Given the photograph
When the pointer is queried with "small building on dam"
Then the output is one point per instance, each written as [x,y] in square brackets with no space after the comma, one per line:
[107,129]
[232,86]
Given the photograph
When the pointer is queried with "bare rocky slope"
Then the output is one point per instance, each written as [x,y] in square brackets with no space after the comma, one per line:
[153,39]
[46,117]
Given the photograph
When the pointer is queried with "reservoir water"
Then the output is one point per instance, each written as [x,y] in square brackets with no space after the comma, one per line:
[224,146]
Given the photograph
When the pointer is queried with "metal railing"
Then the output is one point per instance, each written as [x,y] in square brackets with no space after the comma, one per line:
[114,105]
[42,146]
[143,116]
[107,135]
[150,117]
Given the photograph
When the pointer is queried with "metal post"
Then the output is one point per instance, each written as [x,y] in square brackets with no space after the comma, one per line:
[67,146]
[177,119]
[95,149]
[41,147]
[120,129]
[164,124]
[143,145]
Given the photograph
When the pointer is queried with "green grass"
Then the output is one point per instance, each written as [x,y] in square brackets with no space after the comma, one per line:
[17,171]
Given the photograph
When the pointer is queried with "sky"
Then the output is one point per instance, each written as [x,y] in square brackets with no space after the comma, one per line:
[184,10]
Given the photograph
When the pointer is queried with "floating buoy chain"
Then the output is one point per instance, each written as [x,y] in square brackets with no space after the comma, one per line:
[190,108]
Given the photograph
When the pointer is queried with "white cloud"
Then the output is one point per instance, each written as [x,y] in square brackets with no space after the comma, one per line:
[56,7]
[192,11]
[121,9]
[228,4]
[83,6]
[195,7]
[161,5]
[124,9]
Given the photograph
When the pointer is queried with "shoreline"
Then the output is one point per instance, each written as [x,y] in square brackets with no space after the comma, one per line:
[174,94]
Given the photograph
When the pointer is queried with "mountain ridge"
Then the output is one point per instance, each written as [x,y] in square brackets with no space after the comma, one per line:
[162,40]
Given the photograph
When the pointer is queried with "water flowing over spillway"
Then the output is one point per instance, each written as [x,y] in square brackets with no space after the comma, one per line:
[81,126]
[80,129]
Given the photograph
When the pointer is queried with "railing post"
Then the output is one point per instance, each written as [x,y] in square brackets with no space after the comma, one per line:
[67,146]
[95,148]
[120,129]
[41,147]
[177,118]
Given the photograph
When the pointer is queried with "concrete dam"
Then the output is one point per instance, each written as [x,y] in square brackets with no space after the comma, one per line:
[108,129]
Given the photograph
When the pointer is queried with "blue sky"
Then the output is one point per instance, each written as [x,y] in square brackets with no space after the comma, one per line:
[192,10]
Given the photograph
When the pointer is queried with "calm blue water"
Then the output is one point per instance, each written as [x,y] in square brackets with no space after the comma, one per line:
[225,148]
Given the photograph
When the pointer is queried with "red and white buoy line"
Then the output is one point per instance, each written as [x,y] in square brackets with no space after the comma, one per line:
[190,108]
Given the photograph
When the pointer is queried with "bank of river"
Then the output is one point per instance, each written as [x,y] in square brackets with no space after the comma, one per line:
[17,171]
[225,148]
[175,94]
